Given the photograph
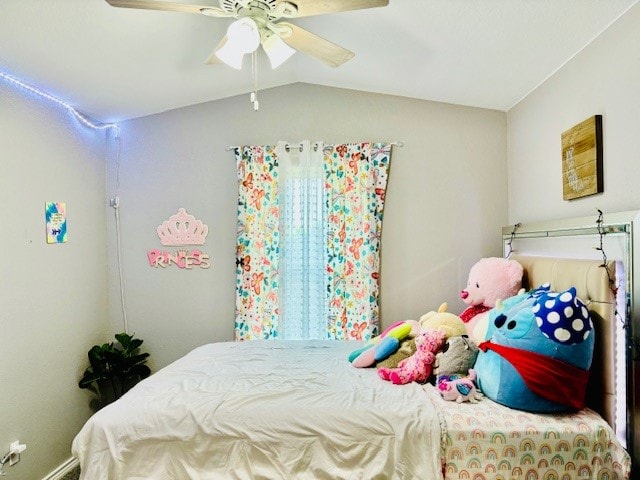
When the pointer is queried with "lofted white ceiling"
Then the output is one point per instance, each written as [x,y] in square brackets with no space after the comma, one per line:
[117,63]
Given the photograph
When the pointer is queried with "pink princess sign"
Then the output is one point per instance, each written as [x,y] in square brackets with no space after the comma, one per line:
[179,230]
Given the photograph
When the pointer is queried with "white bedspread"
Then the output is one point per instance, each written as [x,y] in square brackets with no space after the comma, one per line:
[264,410]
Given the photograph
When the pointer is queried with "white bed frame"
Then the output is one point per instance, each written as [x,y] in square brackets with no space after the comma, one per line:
[611,238]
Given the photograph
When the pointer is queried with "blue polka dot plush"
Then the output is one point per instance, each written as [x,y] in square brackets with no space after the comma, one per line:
[537,352]
[562,317]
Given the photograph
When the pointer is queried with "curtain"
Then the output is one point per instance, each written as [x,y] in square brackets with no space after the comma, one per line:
[356,181]
[308,251]
[258,246]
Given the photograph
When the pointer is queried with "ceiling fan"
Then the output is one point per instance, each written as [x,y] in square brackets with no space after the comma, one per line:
[258,23]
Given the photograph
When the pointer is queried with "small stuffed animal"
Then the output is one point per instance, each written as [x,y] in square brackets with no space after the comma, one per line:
[460,389]
[457,356]
[417,367]
[490,279]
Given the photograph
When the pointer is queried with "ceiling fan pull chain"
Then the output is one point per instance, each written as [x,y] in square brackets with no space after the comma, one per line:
[254,69]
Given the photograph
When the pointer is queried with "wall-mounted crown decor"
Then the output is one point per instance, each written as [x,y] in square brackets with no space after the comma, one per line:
[182,229]
[179,230]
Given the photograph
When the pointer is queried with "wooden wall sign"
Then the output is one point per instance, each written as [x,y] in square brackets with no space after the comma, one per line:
[582,159]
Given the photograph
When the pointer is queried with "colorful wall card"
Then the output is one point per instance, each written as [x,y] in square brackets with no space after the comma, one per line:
[56,218]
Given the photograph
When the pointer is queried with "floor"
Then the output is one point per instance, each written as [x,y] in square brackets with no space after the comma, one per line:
[72,475]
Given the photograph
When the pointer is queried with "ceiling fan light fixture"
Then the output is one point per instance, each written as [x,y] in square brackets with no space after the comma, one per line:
[244,35]
[277,51]
[230,55]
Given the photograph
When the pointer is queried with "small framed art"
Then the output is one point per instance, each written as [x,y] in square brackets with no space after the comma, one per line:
[56,218]
[582,159]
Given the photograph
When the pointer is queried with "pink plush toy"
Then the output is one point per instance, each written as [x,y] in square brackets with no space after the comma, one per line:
[490,279]
[459,389]
[417,367]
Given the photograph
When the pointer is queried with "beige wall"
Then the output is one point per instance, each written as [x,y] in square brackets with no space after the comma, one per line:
[53,298]
[445,205]
[603,79]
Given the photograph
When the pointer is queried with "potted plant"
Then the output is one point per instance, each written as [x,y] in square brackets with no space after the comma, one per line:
[114,368]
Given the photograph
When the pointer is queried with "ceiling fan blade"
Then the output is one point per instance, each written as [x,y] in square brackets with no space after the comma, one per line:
[213,58]
[315,46]
[169,7]
[306,8]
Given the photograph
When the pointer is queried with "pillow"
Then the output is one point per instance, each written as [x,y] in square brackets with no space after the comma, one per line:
[537,352]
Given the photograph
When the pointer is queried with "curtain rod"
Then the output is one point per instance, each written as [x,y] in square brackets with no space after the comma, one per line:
[232,147]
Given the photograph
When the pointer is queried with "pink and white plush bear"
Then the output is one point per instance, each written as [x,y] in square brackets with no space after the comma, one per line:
[417,367]
[490,279]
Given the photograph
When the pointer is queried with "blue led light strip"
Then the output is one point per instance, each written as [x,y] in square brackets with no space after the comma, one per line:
[83,119]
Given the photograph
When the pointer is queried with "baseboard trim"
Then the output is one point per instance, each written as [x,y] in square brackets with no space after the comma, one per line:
[63,469]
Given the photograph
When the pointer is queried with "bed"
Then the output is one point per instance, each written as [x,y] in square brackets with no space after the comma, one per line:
[300,410]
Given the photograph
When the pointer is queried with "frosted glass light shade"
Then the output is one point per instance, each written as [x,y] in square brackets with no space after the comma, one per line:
[277,51]
[244,35]
[230,55]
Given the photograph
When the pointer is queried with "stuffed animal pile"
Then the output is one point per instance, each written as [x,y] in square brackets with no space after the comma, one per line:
[406,351]
[527,350]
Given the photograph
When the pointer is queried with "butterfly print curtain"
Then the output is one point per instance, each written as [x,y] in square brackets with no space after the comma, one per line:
[354,184]
[257,250]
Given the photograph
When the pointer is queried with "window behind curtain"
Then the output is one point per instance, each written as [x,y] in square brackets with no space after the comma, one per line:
[303,259]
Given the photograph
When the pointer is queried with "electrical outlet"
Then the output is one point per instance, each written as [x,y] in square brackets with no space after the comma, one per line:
[15,449]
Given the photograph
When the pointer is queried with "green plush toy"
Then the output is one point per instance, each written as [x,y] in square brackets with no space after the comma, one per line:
[406,349]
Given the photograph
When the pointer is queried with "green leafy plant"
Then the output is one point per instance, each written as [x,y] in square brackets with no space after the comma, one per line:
[114,368]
